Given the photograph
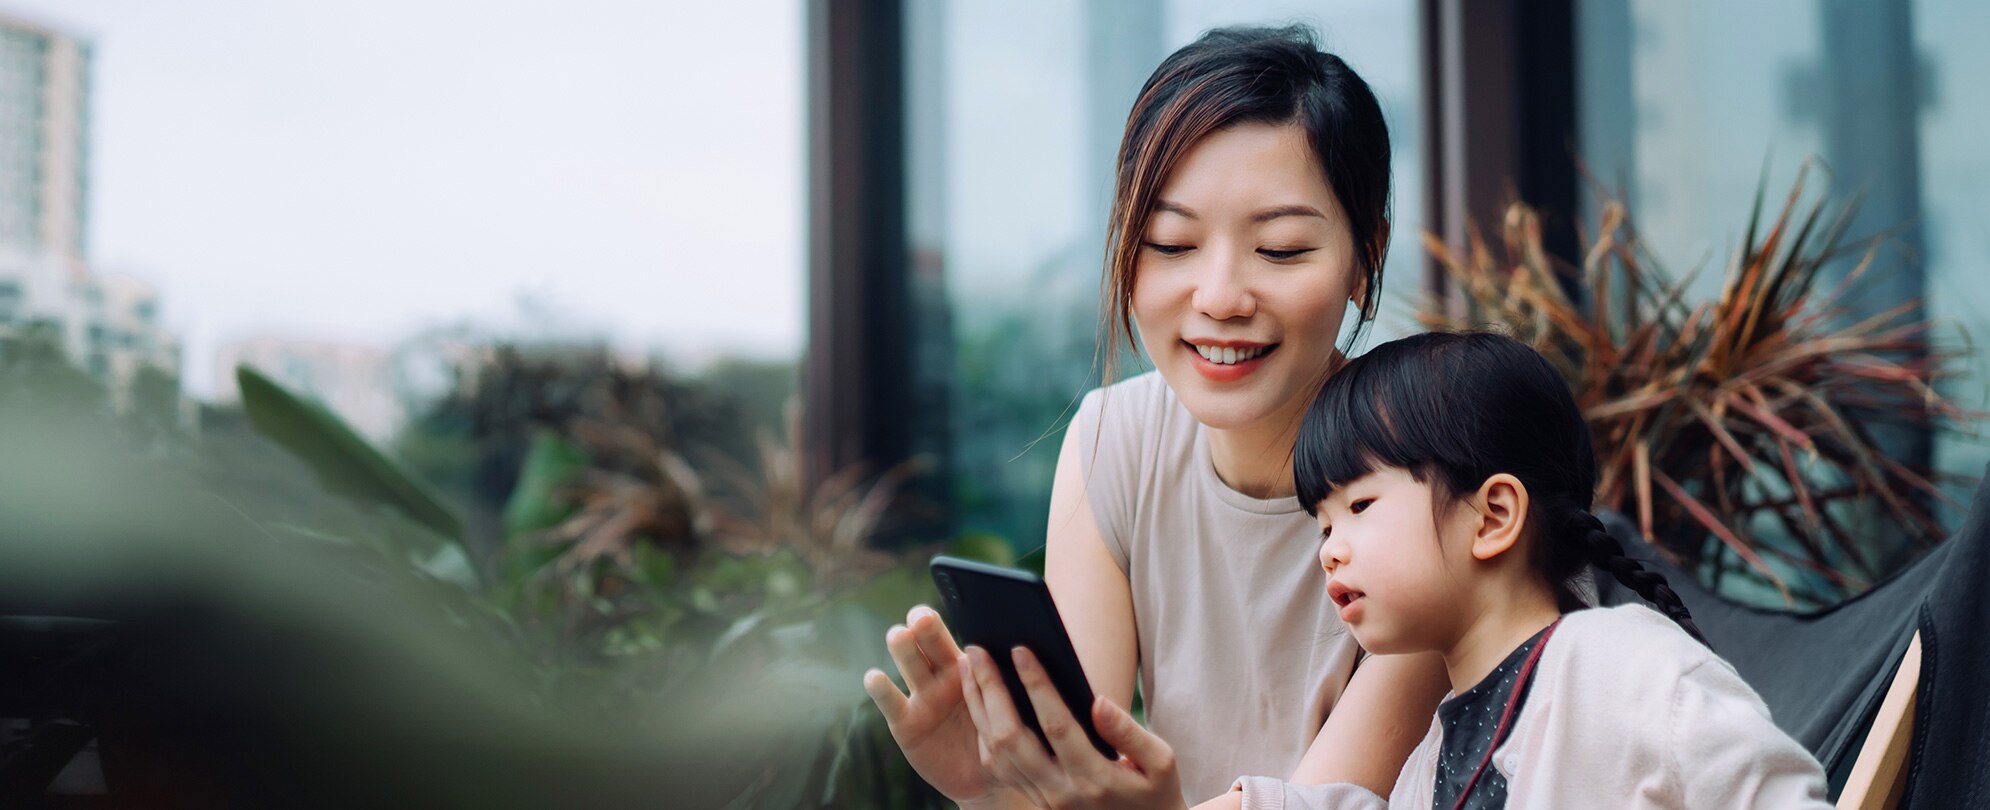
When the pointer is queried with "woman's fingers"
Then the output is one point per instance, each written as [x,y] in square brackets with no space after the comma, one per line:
[1007,736]
[935,642]
[1067,738]
[1144,749]
[998,720]
[913,666]
[891,702]
[970,692]
[996,764]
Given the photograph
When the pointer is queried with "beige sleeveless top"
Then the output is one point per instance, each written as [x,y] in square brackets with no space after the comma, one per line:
[1240,656]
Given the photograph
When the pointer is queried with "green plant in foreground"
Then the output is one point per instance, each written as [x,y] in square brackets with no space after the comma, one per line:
[645,601]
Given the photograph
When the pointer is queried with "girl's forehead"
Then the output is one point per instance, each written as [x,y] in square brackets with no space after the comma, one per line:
[1382,477]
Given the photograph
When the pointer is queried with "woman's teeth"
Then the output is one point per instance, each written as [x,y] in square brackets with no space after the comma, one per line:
[1227,356]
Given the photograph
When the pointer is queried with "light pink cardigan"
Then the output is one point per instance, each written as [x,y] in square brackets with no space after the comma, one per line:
[1627,711]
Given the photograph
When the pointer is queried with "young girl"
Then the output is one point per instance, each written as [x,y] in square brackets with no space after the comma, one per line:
[1452,476]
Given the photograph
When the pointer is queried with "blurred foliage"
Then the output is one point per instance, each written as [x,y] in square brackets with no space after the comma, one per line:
[346,463]
[1742,429]
[275,613]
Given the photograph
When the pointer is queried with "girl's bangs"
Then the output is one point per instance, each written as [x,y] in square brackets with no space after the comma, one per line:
[1341,440]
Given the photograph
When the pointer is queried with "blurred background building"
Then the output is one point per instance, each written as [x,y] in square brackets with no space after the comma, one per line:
[108,325]
[960,170]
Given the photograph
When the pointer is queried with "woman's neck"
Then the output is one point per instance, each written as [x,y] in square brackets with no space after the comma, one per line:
[1495,633]
[1256,460]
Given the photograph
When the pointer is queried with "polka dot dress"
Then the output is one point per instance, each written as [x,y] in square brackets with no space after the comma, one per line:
[1469,722]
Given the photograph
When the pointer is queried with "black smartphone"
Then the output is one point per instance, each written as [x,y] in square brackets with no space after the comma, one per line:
[999,609]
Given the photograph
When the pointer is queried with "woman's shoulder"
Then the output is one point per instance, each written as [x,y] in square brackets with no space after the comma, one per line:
[1143,391]
[1139,407]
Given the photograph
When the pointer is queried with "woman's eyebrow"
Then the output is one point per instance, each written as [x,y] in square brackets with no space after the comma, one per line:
[1260,217]
[1270,214]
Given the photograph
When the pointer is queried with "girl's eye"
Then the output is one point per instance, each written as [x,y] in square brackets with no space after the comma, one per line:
[1283,255]
[1360,506]
[1326,533]
[1168,250]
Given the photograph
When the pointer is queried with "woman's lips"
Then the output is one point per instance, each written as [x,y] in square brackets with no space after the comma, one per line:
[1225,372]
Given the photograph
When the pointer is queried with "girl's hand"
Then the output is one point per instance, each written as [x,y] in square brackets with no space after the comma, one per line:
[1077,775]
[932,725]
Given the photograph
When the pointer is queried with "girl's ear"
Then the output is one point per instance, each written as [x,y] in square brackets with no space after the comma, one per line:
[1502,502]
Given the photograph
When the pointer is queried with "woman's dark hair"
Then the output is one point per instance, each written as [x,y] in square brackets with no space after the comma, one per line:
[1454,409]
[1235,76]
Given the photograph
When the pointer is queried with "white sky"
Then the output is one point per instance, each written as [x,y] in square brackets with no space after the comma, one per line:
[358,170]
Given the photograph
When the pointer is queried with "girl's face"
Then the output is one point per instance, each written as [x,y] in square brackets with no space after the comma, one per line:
[1245,271]
[1392,563]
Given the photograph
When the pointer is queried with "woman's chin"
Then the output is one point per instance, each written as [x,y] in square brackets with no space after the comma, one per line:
[1222,407]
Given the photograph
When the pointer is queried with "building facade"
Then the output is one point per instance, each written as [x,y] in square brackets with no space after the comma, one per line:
[108,325]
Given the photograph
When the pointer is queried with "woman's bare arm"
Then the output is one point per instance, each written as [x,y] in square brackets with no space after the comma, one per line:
[1377,722]
[1234,800]
[1092,594]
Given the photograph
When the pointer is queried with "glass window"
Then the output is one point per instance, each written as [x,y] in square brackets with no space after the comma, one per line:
[1015,111]
[1681,103]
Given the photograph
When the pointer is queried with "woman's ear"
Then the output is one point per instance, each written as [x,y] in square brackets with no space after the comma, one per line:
[1502,508]
[1361,284]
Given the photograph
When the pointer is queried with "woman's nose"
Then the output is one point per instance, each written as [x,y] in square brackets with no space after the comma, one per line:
[1221,292]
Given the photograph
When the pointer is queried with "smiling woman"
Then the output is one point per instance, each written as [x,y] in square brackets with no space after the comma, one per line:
[1248,252]
[1250,211]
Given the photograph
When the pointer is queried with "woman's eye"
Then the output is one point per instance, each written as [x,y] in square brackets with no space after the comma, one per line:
[1360,506]
[1168,250]
[1283,255]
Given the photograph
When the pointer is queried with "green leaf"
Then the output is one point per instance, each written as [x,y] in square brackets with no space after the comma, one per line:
[982,547]
[536,503]
[893,592]
[450,564]
[345,462]
[657,569]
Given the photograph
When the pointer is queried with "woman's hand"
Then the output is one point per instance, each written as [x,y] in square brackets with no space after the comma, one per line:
[931,725]
[1144,776]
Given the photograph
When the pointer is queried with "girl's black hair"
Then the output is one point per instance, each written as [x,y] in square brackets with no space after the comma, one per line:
[1454,409]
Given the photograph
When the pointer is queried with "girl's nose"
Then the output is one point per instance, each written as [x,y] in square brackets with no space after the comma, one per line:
[1333,554]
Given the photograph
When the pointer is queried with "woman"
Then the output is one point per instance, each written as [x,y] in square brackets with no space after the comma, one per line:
[1251,210]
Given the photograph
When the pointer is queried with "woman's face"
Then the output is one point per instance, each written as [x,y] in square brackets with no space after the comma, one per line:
[1243,275]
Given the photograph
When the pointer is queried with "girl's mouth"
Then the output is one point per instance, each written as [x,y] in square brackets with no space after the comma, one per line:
[1227,361]
[1347,599]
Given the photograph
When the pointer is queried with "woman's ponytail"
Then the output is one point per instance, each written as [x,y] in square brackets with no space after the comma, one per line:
[1606,553]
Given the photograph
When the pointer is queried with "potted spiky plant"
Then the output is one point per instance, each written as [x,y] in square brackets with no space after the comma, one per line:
[1739,433]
